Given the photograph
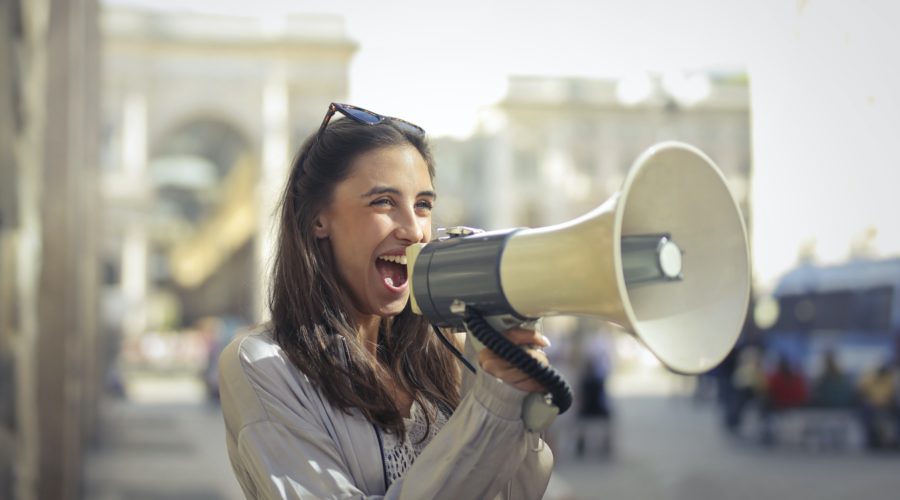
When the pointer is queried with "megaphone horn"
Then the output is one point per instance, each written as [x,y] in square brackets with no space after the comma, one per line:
[666,258]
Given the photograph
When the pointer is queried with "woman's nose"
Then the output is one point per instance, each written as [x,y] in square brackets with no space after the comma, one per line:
[410,227]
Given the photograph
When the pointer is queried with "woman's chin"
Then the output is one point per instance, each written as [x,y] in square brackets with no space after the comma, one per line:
[393,307]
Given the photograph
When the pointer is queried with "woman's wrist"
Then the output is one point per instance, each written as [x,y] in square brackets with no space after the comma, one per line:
[498,397]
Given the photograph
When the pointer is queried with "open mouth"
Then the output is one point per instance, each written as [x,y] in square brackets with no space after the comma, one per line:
[392,269]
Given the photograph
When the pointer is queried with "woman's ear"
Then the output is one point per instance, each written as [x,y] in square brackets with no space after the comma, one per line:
[320,227]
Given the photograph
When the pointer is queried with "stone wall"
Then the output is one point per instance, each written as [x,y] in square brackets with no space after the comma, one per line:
[48,227]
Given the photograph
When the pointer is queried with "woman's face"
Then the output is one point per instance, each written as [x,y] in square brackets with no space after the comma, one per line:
[383,207]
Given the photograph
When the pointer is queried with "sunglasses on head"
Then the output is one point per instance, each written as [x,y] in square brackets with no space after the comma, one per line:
[366,117]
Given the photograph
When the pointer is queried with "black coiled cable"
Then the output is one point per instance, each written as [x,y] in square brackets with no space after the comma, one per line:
[548,377]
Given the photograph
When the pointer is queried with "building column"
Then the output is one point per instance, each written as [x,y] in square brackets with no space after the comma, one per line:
[48,268]
[9,230]
[21,232]
[503,204]
[555,169]
[134,245]
[275,137]
[68,276]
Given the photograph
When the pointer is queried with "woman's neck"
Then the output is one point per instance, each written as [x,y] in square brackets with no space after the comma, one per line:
[368,327]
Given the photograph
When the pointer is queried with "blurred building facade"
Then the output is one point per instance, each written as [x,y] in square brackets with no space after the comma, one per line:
[201,115]
[49,335]
[555,148]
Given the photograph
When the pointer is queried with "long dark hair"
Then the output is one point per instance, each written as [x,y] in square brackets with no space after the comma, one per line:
[310,308]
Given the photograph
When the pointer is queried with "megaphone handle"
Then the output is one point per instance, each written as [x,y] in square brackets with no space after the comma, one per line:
[538,411]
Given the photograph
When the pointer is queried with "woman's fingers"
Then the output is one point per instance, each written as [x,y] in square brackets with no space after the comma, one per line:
[512,375]
[521,336]
[505,371]
[499,367]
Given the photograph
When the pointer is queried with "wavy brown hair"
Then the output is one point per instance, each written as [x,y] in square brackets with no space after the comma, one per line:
[311,308]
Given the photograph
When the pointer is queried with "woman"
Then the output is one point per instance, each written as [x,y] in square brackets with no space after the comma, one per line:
[346,392]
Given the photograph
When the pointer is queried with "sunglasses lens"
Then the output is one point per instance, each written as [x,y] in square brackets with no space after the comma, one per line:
[361,115]
[409,127]
[364,116]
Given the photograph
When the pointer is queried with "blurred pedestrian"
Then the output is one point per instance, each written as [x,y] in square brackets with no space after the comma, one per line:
[594,412]
[748,386]
[877,390]
[786,388]
[832,388]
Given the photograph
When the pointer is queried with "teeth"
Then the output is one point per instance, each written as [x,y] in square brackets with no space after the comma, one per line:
[396,259]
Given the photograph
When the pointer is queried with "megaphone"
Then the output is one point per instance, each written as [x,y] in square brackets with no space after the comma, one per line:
[665,258]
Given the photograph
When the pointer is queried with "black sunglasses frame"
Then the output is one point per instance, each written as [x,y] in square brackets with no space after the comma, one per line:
[353,113]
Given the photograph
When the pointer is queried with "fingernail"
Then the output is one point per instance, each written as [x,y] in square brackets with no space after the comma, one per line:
[546,341]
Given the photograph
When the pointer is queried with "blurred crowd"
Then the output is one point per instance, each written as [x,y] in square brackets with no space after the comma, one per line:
[772,386]
[192,350]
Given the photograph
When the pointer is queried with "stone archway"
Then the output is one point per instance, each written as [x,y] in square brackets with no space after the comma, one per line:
[201,249]
[212,138]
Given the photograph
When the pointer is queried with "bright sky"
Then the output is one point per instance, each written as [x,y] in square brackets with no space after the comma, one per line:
[451,58]
[436,63]
[824,82]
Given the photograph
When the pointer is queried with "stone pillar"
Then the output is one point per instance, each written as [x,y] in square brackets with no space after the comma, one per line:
[135,250]
[48,271]
[503,204]
[67,297]
[272,176]
[24,83]
[555,203]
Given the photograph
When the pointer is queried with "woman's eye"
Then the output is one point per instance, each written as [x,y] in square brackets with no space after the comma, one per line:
[382,202]
[424,205]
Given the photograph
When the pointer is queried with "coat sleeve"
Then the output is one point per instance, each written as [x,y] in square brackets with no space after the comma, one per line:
[290,462]
[285,451]
[278,443]
[483,451]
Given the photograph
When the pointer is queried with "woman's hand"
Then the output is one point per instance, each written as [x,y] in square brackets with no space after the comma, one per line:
[502,369]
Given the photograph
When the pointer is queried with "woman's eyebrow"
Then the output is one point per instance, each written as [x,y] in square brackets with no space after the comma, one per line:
[377,190]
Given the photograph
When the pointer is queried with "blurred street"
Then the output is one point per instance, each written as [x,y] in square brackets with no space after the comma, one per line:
[674,449]
[168,443]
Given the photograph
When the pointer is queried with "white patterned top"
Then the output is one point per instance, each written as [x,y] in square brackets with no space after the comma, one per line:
[401,451]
